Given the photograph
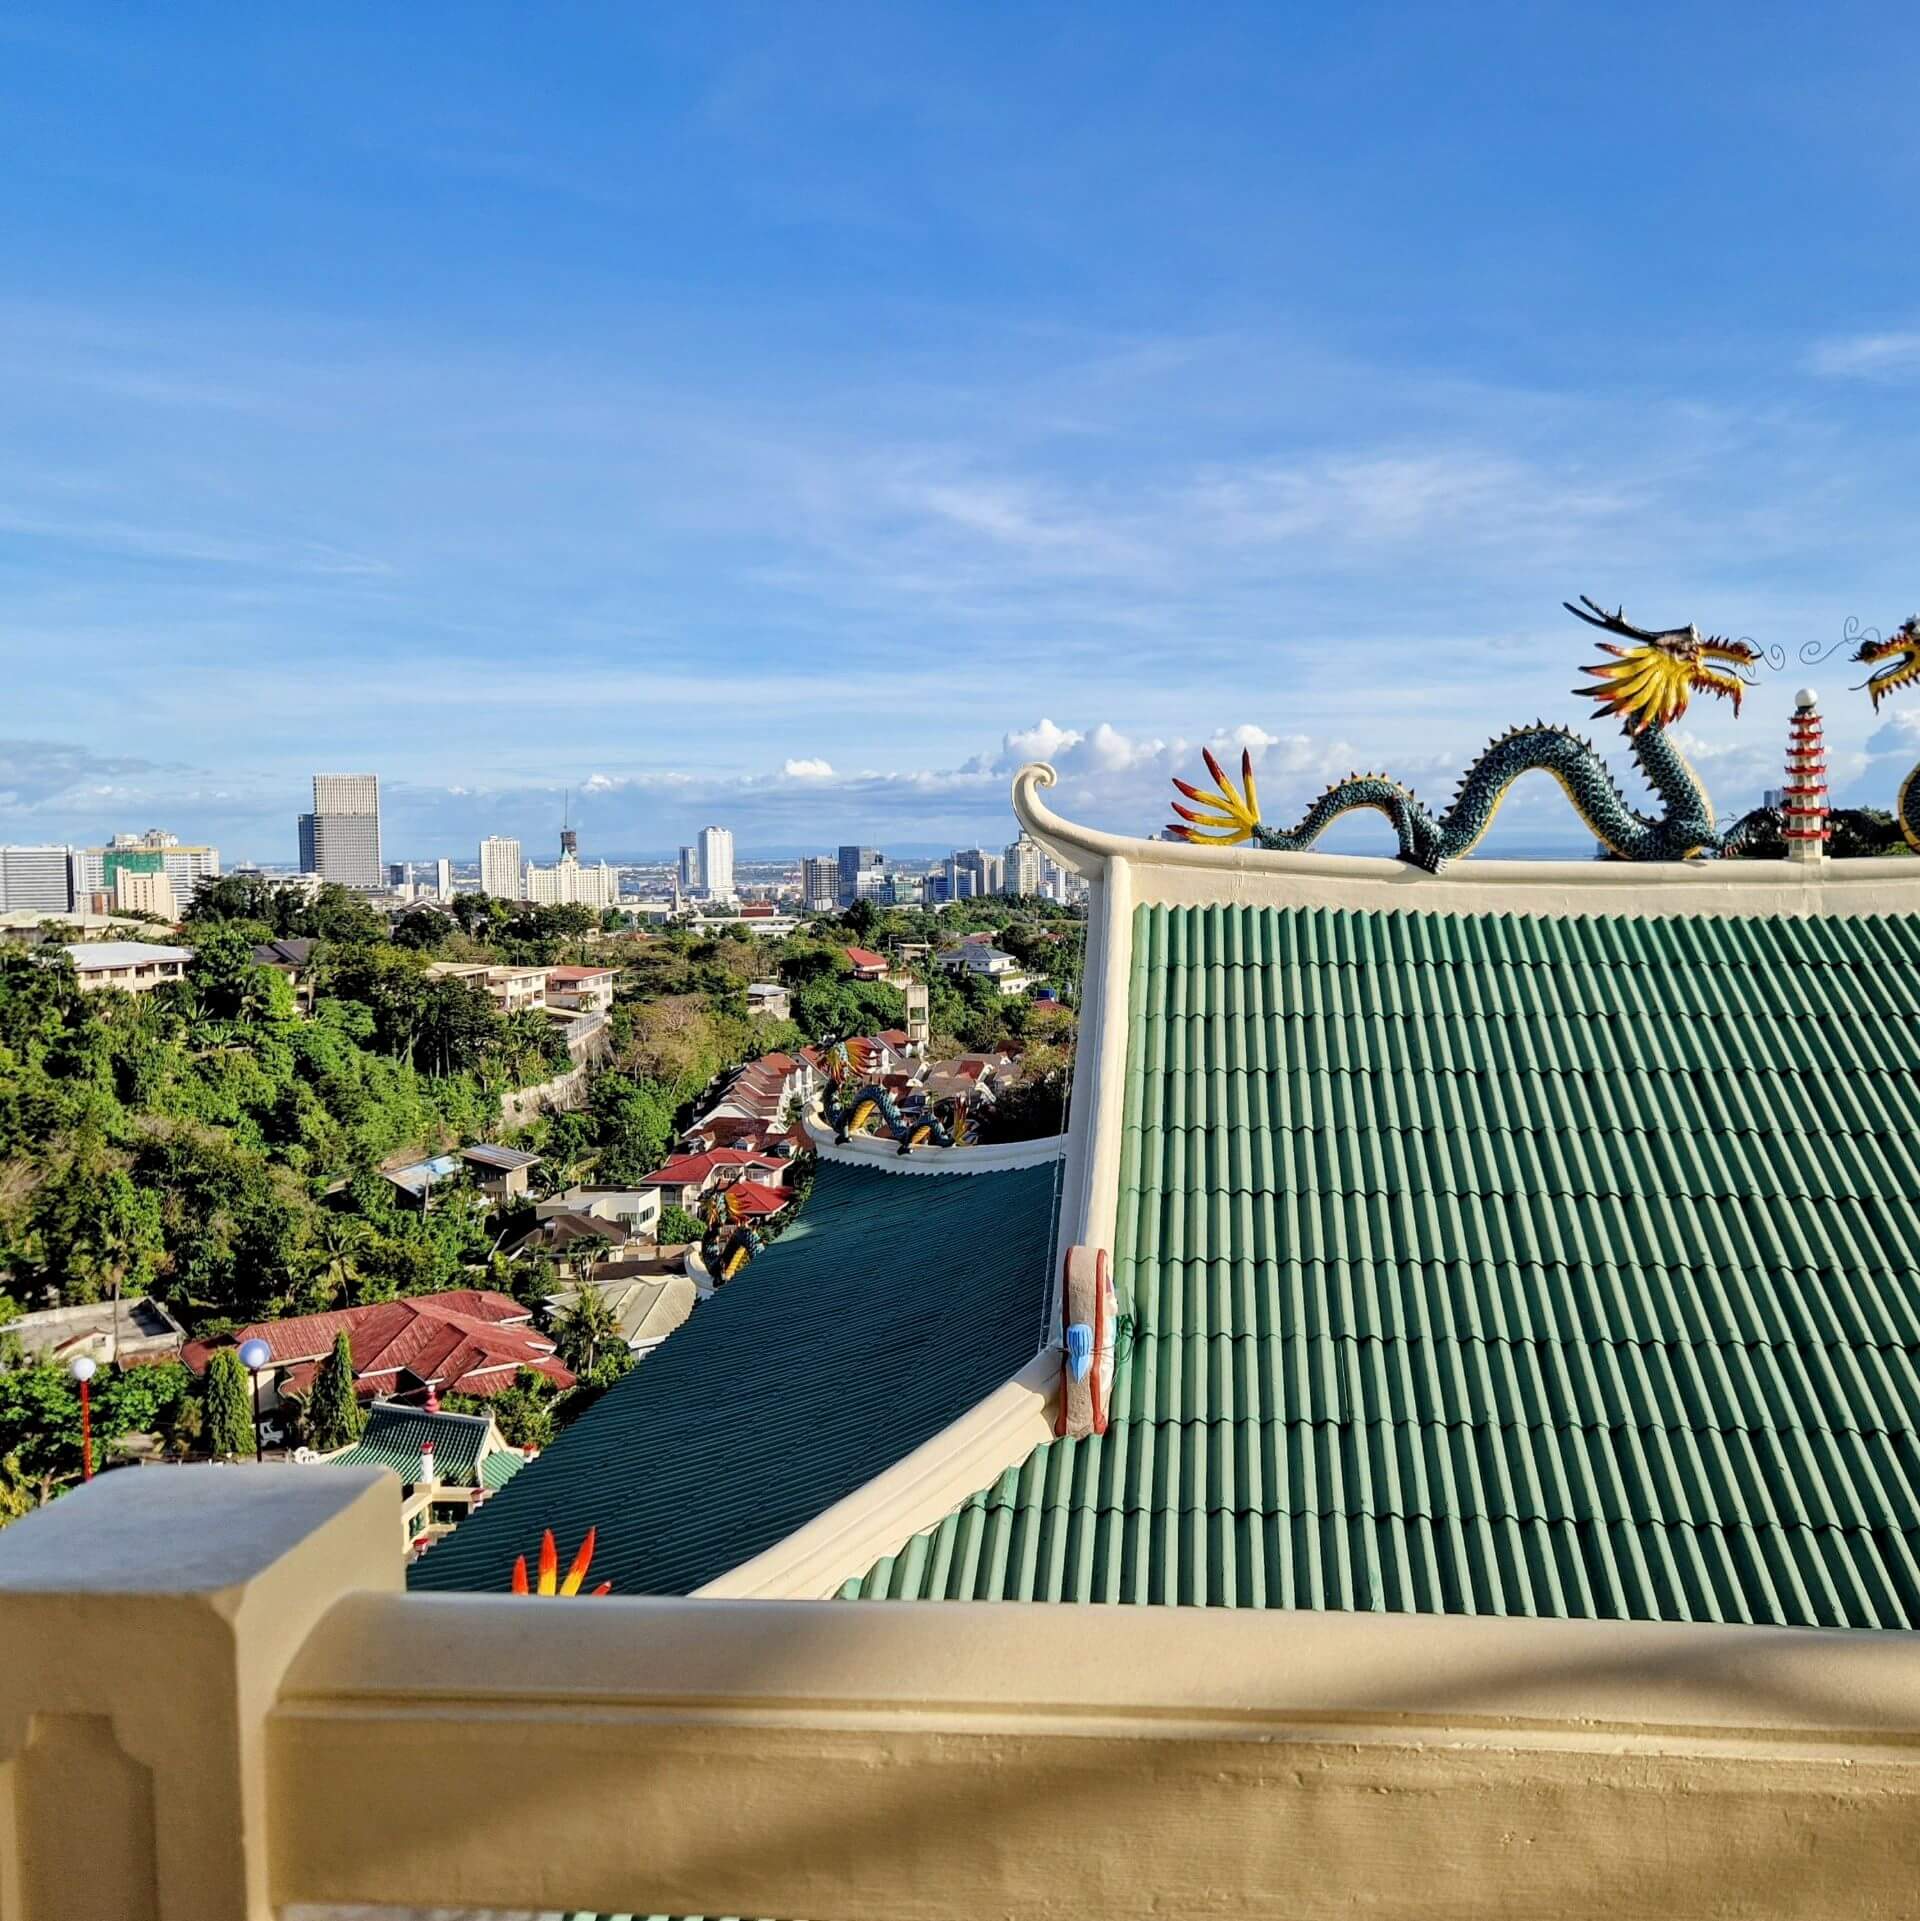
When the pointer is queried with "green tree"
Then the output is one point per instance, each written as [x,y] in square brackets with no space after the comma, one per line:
[587,1328]
[677,1226]
[229,1406]
[334,1417]
[523,1413]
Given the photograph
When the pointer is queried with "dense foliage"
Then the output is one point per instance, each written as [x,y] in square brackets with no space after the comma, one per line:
[217,1146]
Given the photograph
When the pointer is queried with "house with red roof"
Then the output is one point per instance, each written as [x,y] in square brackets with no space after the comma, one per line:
[467,1340]
[684,1180]
[867,965]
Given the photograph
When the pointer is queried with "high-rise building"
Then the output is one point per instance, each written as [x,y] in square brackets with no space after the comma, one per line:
[716,862]
[819,885]
[96,870]
[690,879]
[148,893]
[346,829]
[568,884]
[306,844]
[500,868]
[443,879]
[399,873]
[1022,866]
[855,861]
[36,880]
[972,871]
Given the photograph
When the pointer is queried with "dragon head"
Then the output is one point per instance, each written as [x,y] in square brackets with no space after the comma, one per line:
[1650,682]
[1895,660]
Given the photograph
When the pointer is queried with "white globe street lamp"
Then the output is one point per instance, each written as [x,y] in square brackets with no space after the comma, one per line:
[254,1355]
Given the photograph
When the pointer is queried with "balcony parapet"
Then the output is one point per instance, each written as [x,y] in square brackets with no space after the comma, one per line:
[273,1722]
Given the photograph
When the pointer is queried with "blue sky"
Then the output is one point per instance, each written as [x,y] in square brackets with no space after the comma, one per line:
[794,416]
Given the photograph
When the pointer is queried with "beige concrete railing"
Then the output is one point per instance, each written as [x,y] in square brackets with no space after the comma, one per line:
[213,1699]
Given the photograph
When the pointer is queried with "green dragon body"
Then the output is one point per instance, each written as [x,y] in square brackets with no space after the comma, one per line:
[1896,663]
[1647,684]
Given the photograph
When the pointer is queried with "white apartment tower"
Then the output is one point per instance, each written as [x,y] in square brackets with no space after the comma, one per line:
[500,867]
[819,885]
[716,862]
[346,829]
[1022,867]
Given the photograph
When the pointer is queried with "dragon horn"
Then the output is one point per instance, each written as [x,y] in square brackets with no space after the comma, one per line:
[1187,788]
[1246,782]
[1215,769]
[520,1574]
[549,1562]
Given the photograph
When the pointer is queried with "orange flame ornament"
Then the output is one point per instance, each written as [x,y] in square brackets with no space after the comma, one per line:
[1232,813]
[550,1582]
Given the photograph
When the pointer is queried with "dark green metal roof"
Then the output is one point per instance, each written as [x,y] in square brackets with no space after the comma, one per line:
[887,1310]
[393,1436]
[1503,1265]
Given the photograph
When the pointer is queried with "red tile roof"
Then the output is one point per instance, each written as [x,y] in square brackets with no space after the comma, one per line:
[466,1340]
[866,957]
[749,1199]
[581,973]
[690,1169]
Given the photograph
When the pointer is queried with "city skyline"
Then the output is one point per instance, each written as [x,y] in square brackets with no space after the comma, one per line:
[1158,442]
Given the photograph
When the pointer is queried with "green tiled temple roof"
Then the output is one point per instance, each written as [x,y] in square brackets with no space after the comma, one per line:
[393,1437]
[891,1307]
[1506,1265]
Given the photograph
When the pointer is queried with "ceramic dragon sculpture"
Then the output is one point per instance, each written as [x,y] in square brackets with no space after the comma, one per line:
[726,1254]
[1647,684]
[1896,663]
[873,1109]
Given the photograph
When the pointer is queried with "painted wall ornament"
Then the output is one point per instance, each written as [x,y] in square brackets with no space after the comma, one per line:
[1651,676]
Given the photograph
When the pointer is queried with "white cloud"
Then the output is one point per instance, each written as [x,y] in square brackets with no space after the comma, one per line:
[1900,734]
[1856,356]
[812,769]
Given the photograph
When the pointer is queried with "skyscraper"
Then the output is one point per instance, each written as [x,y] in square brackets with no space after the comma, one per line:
[716,862]
[972,872]
[819,886]
[36,879]
[443,879]
[346,829]
[689,869]
[855,861]
[1023,866]
[500,868]
[306,843]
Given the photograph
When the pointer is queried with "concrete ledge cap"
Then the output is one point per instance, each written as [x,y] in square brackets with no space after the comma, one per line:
[175,1530]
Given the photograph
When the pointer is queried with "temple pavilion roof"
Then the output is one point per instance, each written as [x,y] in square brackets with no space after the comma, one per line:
[1481,1262]
[892,1305]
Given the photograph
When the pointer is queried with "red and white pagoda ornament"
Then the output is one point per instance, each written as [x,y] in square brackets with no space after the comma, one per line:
[1808,827]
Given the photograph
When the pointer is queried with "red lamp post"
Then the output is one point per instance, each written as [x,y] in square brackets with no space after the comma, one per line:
[83,1370]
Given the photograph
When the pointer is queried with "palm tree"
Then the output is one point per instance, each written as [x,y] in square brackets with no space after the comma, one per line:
[588,1325]
[346,1237]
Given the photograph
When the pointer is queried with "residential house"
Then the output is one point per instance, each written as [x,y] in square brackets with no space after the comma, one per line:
[866,964]
[982,960]
[513,990]
[576,1241]
[128,966]
[466,1340]
[646,1306]
[128,1332]
[501,1173]
[686,1180]
[292,958]
[448,1465]
[636,1209]
[586,990]
[770,998]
